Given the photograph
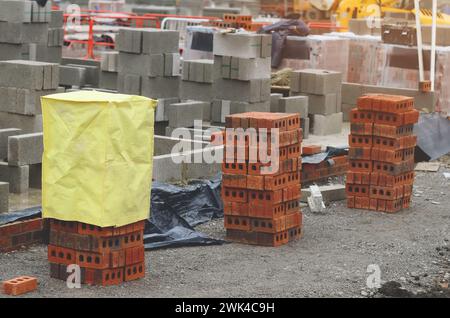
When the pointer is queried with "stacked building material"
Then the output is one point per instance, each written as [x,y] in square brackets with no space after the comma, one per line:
[108,70]
[15,235]
[106,256]
[52,50]
[331,167]
[323,89]
[261,196]
[241,74]
[381,154]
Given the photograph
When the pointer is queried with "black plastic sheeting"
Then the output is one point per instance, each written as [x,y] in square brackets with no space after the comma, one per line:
[175,211]
[433,132]
[329,153]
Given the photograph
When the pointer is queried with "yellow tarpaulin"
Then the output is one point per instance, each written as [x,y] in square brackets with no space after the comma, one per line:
[98,157]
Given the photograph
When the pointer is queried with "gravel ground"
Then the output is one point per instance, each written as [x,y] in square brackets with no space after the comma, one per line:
[411,248]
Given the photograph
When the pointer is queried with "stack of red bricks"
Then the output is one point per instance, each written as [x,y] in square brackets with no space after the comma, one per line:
[261,204]
[105,255]
[21,233]
[381,154]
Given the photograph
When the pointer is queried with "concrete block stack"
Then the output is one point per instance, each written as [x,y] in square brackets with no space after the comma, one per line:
[4,197]
[296,104]
[184,114]
[323,89]
[109,70]
[261,196]
[22,84]
[29,31]
[241,74]
[106,255]
[381,154]
[148,62]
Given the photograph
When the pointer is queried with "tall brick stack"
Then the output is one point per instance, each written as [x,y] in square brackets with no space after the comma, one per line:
[106,256]
[241,74]
[261,205]
[381,154]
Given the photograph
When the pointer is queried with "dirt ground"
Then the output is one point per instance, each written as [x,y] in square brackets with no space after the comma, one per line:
[411,248]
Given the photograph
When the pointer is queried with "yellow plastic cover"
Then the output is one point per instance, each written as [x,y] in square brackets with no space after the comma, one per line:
[98,157]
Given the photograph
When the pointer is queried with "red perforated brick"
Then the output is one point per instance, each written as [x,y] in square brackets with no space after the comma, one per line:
[393,169]
[381,154]
[234,180]
[133,272]
[234,195]
[267,210]
[360,153]
[392,131]
[360,165]
[394,144]
[237,223]
[235,208]
[61,255]
[311,149]
[291,192]
[19,285]
[265,198]
[93,260]
[281,181]
[134,255]
[255,182]
[361,116]
[234,168]
[268,225]
[359,141]
[393,206]
[356,190]
[350,201]
[386,193]
[358,177]
[362,202]
[361,128]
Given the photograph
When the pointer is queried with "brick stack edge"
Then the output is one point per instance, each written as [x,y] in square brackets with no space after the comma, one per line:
[106,256]
[263,209]
[15,235]
[381,154]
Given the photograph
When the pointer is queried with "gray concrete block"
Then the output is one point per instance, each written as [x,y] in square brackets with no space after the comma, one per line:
[35,176]
[19,33]
[92,73]
[22,101]
[304,124]
[294,104]
[244,45]
[220,109]
[72,75]
[161,112]
[28,124]
[322,104]
[44,53]
[196,91]
[248,69]
[25,149]
[141,64]
[4,134]
[184,114]
[41,14]
[185,70]
[172,64]
[129,84]
[346,108]
[315,81]
[18,177]
[4,197]
[351,92]
[129,40]
[330,193]
[16,11]
[161,87]
[9,51]
[275,102]
[327,124]
[29,74]
[243,91]
[56,19]
[108,80]
[109,61]
[158,41]
[225,69]
[243,107]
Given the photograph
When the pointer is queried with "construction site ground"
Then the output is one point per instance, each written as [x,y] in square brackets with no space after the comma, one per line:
[411,247]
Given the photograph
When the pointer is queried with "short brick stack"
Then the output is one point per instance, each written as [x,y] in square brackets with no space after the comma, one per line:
[381,154]
[106,256]
[263,208]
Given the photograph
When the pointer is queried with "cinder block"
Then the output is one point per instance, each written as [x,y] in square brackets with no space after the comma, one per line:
[56,19]
[304,124]
[327,124]
[161,112]
[158,41]
[109,61]
[141,64]
[19,33]
[346,108]
[351,92]
[129,84]
[16,11]
[315,81]
[275,102]
[220,109]
[330,193]
[4,197]
[18,177]
[294,104]
[72,75]
[184,114]
[171,64]
[108,80]
[9,51]
[185,70]
[245,45]
[243,107]
[35,176]
[322,104]
[41,14]
[28,124]
[44,53]
[129,40]
[22,101]
[4,134]
[248,69]
[161,87]
[243,91]
[29,74]
[92,73]
[196,91]
[25,149]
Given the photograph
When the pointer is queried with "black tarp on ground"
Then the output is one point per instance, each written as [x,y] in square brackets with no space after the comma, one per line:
[433,136]
[175,211]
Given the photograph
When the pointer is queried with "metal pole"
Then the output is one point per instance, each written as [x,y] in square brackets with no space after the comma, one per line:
[419,39]
[433,45]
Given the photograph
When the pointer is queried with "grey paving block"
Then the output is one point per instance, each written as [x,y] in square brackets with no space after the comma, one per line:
[305,125]
[4,197]
[109,61]
[245,45]
[158,41]
[108,80]
[275,102]
[322,104]
[196,91]
[19,33]
[41,14]
[18,177]
[56,19]
[25,149]
[247,69]
[351,92]
[141,64]
[72,75]
[294,104]
[220,109]
[253,91]
[243,107]
[161,87]
[171,64]
[346,108]
[92,73]
[29,74]
[28,124]
[129,84]
[129,40]
[315,81]
[161,112]
[15,11]
[4,134]
[44,53]
[22,101]
[184,114]
[9,51]
[327,124]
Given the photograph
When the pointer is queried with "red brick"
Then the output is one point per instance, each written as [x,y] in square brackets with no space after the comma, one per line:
[392,131]
[117,258]
[263,210]
[265,198]
[350,201]
[364,103]
[32,225]
[357,190]
[393,169]
[393,206]
[19,285]
[234,195]
[134,255]
[133,272]
[234,180]
[362,202]
[234,168]
[237,223]
[133,239]
[93,260]
[386,193]
[359,141]
[361,116]
[360,165]
[361,128]
[255,182]
[61,255]
[108,277]
[311,149]
[235,208]
[268,225]
[360,153]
